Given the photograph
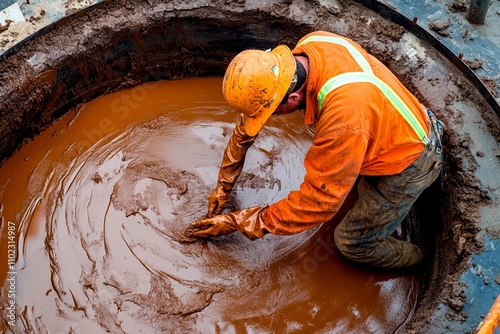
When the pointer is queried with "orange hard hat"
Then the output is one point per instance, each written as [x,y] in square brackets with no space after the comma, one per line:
[256,82]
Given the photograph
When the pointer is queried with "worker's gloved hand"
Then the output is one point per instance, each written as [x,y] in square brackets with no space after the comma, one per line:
[216,201]
[231,166]
[248,222]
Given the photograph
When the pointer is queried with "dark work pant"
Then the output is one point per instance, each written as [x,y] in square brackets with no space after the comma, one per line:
[364,235]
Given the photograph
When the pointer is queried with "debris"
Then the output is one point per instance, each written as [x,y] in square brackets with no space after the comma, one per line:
[97,178]
[6,26]
[466,32]
[473,64]
[440,27]
[457,298]
[458,6]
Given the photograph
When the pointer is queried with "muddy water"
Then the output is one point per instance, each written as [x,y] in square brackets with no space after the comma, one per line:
[99,201]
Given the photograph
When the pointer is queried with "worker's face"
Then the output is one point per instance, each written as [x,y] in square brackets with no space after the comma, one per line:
[294,102]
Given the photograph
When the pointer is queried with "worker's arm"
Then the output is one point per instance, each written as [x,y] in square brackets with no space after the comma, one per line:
[231,167]
[332,166]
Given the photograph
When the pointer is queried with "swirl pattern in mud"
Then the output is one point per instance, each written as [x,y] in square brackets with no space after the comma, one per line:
[109,255]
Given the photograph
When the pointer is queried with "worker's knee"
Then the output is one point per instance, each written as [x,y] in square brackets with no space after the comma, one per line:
[351,248]
[390,253]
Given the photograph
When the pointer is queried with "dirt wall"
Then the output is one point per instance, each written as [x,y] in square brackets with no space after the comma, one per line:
[120,43]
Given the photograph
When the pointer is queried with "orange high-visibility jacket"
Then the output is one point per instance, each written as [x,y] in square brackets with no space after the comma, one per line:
[358,132]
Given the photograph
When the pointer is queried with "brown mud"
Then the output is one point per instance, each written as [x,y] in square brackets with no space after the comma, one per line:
[102,215]
[116,45]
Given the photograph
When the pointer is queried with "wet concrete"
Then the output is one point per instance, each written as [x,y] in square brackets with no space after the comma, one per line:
[115,46]
[106,194]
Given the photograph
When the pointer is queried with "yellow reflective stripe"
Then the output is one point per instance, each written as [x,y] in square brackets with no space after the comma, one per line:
[358,57]
[332,84]
[396,101]
[365,76]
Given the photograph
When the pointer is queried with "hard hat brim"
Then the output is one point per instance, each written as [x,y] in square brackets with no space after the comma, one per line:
[287,68]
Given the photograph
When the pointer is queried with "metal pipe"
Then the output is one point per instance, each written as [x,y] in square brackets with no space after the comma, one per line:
[477,11]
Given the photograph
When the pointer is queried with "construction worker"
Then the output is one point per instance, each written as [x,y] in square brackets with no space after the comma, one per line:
[368,126]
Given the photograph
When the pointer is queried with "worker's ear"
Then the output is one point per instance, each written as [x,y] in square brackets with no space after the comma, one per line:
[294,97]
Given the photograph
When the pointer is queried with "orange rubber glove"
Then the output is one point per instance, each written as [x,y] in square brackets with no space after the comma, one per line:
[248,221]
[231,167]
